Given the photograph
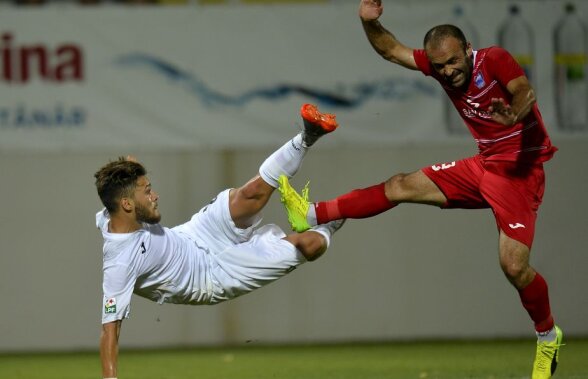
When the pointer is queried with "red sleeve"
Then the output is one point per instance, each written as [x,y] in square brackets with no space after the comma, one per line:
[422,62]
[504,67]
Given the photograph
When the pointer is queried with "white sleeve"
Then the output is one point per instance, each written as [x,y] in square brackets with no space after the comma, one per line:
[117,285]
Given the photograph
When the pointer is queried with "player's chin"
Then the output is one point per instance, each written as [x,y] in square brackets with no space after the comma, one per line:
[153,218]
[458,81]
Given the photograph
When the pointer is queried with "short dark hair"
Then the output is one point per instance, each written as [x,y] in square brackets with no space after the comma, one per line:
[117,179]
[438,33]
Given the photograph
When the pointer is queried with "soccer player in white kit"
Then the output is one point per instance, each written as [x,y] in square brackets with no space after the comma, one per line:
[221,253]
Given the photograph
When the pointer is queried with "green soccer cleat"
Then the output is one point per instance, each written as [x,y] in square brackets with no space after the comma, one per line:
[547,357]
[296,205]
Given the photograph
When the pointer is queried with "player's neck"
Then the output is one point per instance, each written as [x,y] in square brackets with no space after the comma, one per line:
[123,224]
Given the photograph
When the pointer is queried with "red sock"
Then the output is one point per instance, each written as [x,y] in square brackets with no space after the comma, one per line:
[535,299]
[360,203]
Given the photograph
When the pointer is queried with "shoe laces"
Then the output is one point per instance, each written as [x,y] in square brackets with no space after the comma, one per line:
[302,203]
[305,192]
[301,200]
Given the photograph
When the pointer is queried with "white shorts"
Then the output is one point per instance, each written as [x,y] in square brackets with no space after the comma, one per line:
[241,259]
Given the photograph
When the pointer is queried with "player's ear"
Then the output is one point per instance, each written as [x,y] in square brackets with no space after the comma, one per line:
[127,204]
[469,50]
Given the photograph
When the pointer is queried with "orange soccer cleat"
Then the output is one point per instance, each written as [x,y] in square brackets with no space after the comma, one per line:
[316,124]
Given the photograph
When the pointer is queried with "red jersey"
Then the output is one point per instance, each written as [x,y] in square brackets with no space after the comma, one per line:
[493,68]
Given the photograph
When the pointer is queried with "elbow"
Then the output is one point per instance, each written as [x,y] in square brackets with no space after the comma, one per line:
[383,51]
[388,57]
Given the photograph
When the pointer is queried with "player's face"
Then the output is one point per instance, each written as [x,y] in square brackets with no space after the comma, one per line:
[146,202]
[452,61]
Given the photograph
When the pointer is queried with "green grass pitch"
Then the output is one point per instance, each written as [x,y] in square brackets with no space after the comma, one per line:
[402,360]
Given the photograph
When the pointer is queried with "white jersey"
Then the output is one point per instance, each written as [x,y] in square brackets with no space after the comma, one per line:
[204,261]
[153,262]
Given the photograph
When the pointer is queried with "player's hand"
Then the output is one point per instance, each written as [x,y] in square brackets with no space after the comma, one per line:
[502,112]
[370,10]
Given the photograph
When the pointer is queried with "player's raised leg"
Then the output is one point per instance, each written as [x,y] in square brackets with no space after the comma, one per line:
[415,187]
[247,200]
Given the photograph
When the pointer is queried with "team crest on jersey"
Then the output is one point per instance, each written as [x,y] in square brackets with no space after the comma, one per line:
[479,80]
[110,305]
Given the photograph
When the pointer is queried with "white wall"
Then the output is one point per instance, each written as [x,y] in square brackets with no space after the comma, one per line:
[414,272]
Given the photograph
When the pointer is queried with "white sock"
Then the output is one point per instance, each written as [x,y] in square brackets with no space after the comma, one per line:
[547,336]
[311,215]
[328,229]
[284,161]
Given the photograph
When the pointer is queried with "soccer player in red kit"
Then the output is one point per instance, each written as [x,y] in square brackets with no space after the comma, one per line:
[498,105]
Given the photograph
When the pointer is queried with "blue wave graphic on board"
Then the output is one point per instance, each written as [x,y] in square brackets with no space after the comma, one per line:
[345,96]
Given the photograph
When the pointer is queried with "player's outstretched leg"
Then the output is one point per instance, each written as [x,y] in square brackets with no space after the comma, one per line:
[288,159]
[247,200]
[547,356]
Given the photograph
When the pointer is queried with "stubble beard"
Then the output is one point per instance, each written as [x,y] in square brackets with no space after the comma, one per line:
[147,215]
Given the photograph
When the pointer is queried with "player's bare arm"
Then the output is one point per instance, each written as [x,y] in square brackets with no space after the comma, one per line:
[109,348]
[384,42]
[523,99]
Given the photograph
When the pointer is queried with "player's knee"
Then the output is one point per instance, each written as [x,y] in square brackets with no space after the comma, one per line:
[512,270]
[514,261]
[518,273]
[397,187]
[315,253]
[310,244]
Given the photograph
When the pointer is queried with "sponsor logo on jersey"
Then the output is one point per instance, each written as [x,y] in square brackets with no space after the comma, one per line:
[444,166]
[516,226]
[472,103]
[472,113]
[479,80]
[110,305]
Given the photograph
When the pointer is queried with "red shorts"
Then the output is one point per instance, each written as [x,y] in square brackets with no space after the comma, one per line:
[514,192]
